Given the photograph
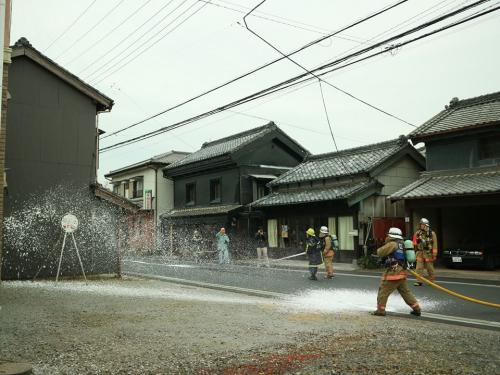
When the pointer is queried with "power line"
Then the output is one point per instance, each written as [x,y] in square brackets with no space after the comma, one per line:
[135,12]
[126,38]
[113,62]
[320,80]
[303,77]
[349,38]
[151,45]
[70,26]
[91,29]
[383,10]
[289,58]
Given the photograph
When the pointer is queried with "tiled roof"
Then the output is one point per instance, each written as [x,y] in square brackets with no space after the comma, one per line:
[461,114]
[202,211]
[224,146]
[312,195]
[346,162]
[161,159]
[460,183]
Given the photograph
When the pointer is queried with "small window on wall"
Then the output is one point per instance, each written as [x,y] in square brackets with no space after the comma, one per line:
[346,225]
[116,189]
[138,189]
[261,191]
[272,232]
[215,190]
[190,194]
[489,148]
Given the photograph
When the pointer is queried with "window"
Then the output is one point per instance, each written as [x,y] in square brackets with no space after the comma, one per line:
[137,189]
[261,191]
[125,189]
[190,194]
[346,240]
[489,148]
[215,190]
[116,189]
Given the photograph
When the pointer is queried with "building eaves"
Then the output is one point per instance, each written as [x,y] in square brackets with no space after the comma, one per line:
[476,181]
[201,211]
[313,195]
[461,115]
[24,48]
[343,163]
[115,199]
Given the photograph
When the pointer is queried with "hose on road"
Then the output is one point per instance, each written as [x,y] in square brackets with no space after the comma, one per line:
[439,287]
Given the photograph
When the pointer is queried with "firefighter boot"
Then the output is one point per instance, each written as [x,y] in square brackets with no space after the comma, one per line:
[378,313]
[416,312]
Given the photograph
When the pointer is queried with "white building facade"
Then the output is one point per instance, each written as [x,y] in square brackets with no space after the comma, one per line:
[143,183]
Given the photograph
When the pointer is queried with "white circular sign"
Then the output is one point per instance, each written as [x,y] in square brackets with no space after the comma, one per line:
[69,223]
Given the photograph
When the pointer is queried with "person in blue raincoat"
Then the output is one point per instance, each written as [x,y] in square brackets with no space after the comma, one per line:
[222,246]
[313,251]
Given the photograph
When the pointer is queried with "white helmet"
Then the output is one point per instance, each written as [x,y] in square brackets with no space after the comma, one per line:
[323,230]
[424,221]
[395,233]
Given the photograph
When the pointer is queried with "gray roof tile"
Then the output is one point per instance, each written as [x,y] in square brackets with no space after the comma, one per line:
[461,114]
[346,162]
[202,211]
[224,146]
[312,195]
[460,183]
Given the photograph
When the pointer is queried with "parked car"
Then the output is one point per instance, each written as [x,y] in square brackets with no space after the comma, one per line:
[471,253]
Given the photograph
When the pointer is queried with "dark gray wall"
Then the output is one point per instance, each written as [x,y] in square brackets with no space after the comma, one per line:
[229,190]
[458,152]
[269,151]
[51,132]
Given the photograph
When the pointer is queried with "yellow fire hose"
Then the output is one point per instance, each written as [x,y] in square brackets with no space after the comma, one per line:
[452,292]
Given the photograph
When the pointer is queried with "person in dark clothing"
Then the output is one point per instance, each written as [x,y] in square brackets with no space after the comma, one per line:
[313,251]
[261,242]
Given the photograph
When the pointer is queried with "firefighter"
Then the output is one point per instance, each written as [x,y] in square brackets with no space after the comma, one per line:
[425,243]
[327,245]
[313,251]
[394,277]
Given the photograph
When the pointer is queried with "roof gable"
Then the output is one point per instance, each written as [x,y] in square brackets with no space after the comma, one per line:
[23,48]
[228,145]
[460,115]
[343,163]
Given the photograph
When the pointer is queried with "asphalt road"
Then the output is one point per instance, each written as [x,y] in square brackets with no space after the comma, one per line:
[294,282]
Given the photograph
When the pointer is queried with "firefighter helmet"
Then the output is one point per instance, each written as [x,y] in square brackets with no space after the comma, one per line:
[310,232]
[424,221]
[395,233]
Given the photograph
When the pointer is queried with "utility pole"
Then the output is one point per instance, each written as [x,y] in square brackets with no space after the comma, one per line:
[5,14]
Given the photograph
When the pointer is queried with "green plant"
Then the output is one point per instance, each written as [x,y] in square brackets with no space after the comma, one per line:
[367,262]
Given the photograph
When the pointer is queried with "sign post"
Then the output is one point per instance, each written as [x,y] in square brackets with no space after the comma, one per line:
[69,224]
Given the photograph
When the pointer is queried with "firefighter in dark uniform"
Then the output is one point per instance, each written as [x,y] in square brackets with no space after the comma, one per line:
[425,243]
[313,251]
[394,276]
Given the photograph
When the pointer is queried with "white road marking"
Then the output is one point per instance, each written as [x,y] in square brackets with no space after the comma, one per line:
[305,270]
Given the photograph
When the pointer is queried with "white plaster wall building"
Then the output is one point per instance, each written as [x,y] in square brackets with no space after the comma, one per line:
[143,183]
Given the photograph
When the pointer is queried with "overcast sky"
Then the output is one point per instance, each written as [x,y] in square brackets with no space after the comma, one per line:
[128,50]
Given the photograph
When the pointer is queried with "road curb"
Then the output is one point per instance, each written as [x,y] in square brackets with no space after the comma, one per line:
[225,288]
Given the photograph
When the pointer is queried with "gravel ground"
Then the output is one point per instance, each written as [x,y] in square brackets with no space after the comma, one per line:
[134,326]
